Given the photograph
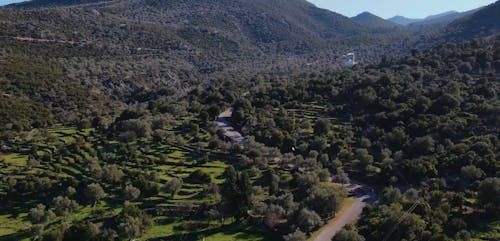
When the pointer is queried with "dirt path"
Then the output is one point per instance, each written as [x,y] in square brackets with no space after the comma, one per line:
[229,131]
[348,214]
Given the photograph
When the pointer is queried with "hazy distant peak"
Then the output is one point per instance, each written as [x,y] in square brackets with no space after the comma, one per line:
[431,17]
[373,21]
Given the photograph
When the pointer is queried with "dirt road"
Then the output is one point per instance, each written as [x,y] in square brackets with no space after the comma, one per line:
[345,216]
[229,131]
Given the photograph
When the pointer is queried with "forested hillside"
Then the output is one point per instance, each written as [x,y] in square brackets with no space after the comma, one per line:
[482,23]
[374,22]
[117,122]
[422,130]
[108,52]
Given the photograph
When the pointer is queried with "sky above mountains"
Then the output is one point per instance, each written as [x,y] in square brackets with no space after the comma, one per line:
[5,2]
[407,8]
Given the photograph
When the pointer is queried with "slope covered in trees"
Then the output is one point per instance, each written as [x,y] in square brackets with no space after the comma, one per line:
[141,157]
[484,22]
[96,56]
[422,129]
[374,22]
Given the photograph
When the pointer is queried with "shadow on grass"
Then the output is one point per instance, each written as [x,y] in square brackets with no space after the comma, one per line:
[240,233]
[15,236]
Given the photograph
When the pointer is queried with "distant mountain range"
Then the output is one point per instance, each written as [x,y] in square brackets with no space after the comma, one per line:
[442,18]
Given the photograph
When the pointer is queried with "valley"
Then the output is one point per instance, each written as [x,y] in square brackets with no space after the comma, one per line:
[240,120]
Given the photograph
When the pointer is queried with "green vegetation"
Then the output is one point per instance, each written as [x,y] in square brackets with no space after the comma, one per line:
[107,132]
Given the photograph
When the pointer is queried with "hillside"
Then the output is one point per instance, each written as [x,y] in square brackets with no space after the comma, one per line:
[373,22]
[422,130]
[121,47]
[446,18]
[105,54]
[183,120]
[440,20]
[484,22]
[30,4]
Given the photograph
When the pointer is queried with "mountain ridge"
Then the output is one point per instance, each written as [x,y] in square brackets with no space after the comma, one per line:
[440,18]
[373,21]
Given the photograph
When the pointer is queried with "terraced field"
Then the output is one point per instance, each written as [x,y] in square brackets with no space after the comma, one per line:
[62,155]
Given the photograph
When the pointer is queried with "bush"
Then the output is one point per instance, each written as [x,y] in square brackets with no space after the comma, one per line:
[199,177]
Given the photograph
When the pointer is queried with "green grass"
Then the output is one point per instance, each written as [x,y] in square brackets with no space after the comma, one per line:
[14,159]
[490,232]
[10,225]
[166,229]
[170,162]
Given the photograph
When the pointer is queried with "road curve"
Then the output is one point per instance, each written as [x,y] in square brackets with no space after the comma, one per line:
[347,215]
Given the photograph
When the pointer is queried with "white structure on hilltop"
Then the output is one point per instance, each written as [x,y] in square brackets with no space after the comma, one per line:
[349,59]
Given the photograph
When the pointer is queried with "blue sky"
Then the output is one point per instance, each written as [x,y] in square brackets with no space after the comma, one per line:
[4,2]
[387,8]
[407,8]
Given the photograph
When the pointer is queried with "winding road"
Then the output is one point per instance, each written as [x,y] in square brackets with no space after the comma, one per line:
[349,214]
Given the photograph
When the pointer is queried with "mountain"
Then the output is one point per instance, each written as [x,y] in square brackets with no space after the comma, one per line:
[440,15]
[403,20]
[52,3]
[103,54]
[484,22]
[373,22]
[441,19]
[446,18]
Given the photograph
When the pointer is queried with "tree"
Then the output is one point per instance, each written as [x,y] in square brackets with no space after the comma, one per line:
[199,177]
[81,232]
[274,215]
[63,205]
[325,200]
[96,171]
[40,215]
[131,193]
[237,193]
[341,177]
[321,127]
[489,194]
[308,220]
[295,236]
[70,191]
[148,188]
[306,181]
[382,221]
[363,159]
[391,195]
[132,221]
[113,174]
[212,214]
[94,193]
[173,186]
[130,227]
[471,172]
[348,235]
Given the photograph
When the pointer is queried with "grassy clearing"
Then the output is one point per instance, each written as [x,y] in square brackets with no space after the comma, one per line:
[14,159]
[11,225]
